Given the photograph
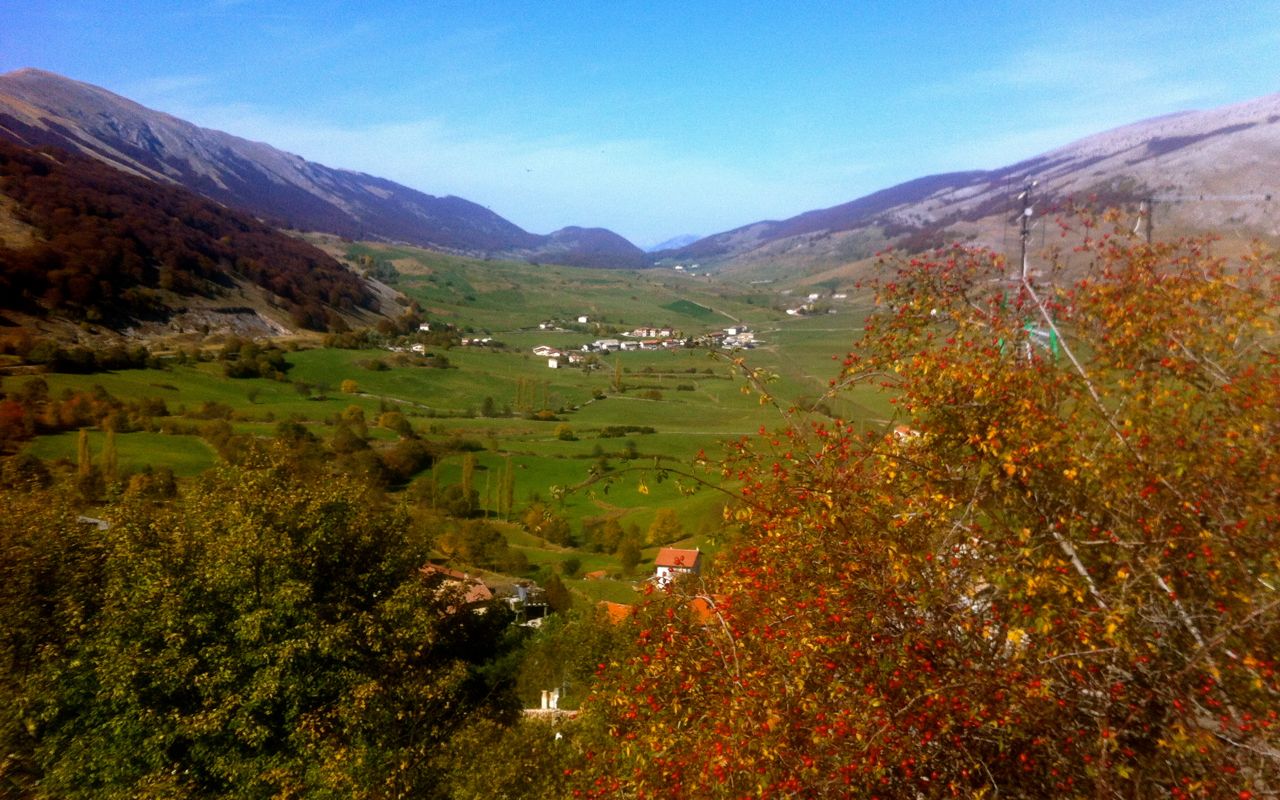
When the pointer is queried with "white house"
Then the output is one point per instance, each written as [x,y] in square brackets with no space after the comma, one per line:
[673,562]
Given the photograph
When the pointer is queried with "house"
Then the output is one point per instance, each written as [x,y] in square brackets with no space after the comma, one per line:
[526,600]
[614,612]
[425,327]
[546,351]
[650,332]
[474,591]
[583,319]
[673,562]
[553,362]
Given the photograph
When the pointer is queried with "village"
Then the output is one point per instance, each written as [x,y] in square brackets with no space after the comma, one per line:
[642,338]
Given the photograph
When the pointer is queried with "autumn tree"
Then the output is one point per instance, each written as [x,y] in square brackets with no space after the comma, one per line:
[665,528]
[1055,574]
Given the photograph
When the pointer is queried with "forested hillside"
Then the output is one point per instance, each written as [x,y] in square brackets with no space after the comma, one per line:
[109,246]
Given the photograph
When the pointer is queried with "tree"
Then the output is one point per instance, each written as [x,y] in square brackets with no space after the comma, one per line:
[507,492]
[263,635]
[110,456]
[540,520]
[1053,576]
[559,599]
[629,554]
[84,460]
[665,528]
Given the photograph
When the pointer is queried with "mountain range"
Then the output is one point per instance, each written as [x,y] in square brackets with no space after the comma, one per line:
[42,108]
[1197,171]
[1212,170]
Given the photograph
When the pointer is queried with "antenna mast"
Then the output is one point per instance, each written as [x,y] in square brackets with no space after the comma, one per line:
[1024,223]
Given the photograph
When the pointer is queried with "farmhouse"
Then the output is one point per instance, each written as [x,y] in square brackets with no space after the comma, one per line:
[673,562]
[474,592]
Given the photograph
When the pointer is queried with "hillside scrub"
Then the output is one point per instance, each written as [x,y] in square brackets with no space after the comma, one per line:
[1055,575]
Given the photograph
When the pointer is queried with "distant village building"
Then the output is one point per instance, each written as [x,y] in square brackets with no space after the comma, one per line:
[651,332]
[584,319]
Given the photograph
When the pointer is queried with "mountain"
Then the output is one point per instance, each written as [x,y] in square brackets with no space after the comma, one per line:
[1215,170]
[41,108]
[674,243]
[85,242]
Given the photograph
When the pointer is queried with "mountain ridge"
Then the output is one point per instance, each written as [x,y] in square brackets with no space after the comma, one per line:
[1207,170]
[43,108]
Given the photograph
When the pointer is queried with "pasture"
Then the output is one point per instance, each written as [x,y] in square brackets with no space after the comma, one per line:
[620,436]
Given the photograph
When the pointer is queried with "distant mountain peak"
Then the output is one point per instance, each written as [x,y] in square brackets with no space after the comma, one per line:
[674,243]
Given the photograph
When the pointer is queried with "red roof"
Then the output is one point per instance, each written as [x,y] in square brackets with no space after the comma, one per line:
[675,558]
[474,589]
[615,612]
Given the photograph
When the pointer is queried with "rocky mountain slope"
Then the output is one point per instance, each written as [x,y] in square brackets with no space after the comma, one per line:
[41,108]
[1216,170]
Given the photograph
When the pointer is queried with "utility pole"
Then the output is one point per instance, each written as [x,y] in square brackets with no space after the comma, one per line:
[1024,223]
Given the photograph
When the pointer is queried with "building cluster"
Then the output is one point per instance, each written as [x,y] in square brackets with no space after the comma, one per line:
[525,598]
[647,338]
[810,305]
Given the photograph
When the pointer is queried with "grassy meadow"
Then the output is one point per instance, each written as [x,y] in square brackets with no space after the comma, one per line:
[674,404]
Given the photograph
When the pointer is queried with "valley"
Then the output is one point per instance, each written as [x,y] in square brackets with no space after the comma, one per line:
[614,437]
[319,485]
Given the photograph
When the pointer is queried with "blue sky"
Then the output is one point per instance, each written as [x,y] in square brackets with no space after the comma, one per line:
[656,118]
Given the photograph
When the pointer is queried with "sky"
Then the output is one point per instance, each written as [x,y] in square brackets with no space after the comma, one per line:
[659,118]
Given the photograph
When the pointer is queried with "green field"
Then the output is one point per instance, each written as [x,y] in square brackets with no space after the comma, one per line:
[692,399]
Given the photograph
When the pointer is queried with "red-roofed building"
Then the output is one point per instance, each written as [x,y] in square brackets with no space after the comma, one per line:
[614,612]
[673,561]
[474,591]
